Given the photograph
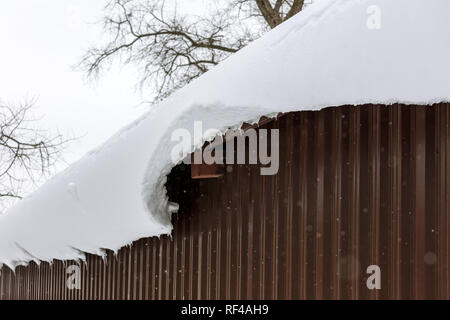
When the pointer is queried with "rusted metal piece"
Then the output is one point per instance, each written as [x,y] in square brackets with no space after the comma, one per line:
[216,170]
[206,171]
[357,186]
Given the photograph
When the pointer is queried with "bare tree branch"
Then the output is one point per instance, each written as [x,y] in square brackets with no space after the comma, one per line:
[171,49]
[26,153]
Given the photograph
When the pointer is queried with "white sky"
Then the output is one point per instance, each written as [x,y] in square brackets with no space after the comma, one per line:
[41,40]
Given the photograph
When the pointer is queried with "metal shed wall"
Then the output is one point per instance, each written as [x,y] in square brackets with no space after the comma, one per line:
[357,186]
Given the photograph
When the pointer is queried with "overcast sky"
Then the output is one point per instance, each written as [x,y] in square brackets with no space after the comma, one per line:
[41,40]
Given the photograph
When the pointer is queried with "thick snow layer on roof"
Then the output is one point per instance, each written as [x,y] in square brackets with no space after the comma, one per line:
[329,55]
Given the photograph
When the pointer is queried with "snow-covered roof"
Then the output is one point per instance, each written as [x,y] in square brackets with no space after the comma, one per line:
[336,52]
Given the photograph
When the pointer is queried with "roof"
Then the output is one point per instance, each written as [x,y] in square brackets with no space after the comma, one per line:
[324,56]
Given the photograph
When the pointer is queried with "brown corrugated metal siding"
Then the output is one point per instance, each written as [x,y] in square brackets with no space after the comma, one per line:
[357,186]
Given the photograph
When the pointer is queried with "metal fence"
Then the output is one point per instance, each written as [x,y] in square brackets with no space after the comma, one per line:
[357,186]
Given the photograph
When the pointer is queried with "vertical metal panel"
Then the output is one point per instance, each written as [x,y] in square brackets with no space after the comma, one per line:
[357,186]
[353,207]
[336,216]
[442,128]
[319,185]
[300,180]
[374,190]
[418,198]
[394,201]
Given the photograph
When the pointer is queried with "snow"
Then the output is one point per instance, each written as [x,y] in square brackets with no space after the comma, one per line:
[325,56]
